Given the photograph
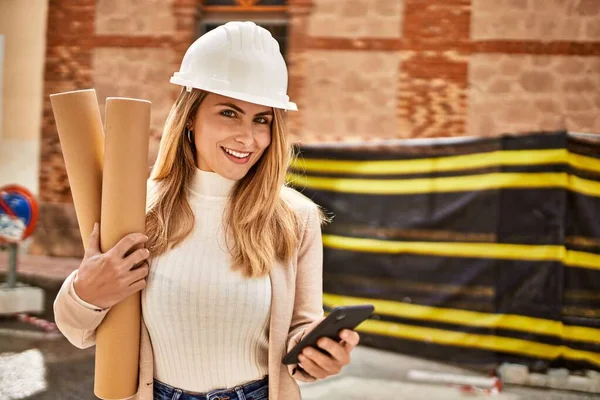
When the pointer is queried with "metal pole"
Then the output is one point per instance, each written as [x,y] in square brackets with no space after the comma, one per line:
[11,277]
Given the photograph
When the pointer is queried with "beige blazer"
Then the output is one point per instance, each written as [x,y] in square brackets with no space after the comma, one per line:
[296,307]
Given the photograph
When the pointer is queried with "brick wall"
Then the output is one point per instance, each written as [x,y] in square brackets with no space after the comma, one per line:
[446,55]
[359,69]
[68,66]
[121,49]
[432,85]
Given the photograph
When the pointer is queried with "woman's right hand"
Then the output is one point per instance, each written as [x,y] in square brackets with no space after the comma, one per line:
[105,279]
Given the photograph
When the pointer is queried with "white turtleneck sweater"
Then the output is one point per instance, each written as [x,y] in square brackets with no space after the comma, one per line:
[209,326]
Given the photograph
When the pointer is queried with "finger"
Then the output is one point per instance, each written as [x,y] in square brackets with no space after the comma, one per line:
[311,368]
[139,273]
[127,243]
[336,350]
[324,361]
[135,258]
[94,240]
[137,286]
[350,338]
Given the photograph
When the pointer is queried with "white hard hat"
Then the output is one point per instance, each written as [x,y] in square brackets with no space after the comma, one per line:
[240,60]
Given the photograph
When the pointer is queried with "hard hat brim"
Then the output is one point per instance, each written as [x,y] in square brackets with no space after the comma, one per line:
[250,98]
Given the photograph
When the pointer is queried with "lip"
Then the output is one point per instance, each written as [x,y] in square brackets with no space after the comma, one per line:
[237,151]
[235,159]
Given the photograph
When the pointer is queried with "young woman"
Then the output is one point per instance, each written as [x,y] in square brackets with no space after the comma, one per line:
[235,275]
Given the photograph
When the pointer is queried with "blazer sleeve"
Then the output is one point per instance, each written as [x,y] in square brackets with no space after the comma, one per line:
[79,300]
[308,300]
[77,322]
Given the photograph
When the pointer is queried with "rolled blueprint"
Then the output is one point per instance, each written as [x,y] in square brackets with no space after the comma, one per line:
[127,130]
[81,137]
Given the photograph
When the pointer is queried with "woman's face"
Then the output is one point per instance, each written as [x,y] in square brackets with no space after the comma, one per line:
[230,135]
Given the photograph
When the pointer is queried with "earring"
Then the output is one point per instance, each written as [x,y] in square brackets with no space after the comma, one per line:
[189,134]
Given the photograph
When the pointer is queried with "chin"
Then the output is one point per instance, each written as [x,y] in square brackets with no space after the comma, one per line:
[233,175]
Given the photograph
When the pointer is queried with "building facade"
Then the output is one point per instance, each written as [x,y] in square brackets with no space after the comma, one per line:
[359,70]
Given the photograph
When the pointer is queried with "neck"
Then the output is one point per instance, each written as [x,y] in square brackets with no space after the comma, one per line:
[210,184]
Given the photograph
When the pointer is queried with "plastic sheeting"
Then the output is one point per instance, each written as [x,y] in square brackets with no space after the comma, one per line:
[475,251]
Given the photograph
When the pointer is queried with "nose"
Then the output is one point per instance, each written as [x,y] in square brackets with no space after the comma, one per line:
[245,137]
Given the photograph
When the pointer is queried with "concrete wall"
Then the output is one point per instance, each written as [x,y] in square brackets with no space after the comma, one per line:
[23,24]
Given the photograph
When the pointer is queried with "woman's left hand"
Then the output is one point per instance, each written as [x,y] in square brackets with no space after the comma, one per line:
[321,365]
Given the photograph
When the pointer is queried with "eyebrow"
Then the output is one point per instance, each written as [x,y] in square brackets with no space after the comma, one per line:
[236,108]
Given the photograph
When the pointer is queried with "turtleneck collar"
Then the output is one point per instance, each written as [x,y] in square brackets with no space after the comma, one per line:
[210,184]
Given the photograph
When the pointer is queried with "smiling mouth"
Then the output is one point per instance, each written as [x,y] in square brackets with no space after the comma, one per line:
[237,154]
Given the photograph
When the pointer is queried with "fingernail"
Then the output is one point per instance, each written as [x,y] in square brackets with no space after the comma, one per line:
[345,335]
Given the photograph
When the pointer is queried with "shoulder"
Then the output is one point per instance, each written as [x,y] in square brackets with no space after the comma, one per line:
[299,202]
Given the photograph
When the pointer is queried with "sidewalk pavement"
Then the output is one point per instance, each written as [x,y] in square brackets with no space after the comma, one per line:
[38,366]
[40,269]
[44,272]
[382,375]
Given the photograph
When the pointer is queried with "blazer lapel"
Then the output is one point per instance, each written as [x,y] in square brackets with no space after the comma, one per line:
[281,289]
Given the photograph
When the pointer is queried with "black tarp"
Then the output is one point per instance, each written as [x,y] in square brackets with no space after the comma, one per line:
[476,251]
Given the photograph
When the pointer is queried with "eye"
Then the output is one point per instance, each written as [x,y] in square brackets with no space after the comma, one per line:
[262,120]
[228,113]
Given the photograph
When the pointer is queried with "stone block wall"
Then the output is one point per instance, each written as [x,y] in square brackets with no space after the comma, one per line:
[542,20]
[135,18]
[137,73]
[547,78]
[133,55]
[519,93]
[356,18]
[352,95]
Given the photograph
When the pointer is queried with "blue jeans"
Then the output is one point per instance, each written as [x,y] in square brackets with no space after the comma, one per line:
[255,390]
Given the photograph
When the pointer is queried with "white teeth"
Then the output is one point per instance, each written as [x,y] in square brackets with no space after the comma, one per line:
[236,154]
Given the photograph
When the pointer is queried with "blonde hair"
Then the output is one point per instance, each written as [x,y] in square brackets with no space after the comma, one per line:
[259,225]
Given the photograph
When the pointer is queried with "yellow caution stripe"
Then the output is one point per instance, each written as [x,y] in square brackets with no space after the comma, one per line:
[451,163]
[469,318]
[478,341]
[468,250]
[519,180]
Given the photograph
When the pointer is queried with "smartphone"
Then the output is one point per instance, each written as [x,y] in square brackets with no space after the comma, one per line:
[345,317]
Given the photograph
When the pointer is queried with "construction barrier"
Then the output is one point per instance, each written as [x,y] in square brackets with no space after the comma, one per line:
[473,251]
